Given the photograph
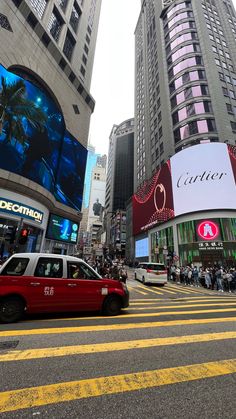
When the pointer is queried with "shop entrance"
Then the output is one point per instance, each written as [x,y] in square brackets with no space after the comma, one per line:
[211,258]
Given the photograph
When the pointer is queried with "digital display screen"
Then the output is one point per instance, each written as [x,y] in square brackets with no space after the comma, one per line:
[35,144]
[199,178]
[198,174]
[61,229]
[141,248]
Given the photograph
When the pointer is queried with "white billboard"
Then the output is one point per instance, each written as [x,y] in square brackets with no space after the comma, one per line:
[97,198]
[141,248]
[203,179]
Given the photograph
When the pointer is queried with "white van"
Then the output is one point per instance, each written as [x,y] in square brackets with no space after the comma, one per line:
[154,273]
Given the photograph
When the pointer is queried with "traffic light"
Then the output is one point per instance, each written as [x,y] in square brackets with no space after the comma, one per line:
[23,236]
[10,234]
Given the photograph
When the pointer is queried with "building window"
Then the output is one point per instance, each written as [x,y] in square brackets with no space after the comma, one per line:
[39,6]
[221,76]
[87,39]
[71,77]
[232,94]
[4,23]
[86,49]
[62,63]
[82,70]
[76,109]
[75,17]
[229,108]
[69,45]
[55,24]
[32,20]
[225,91]
[233,126]
[63,4]
[84,59]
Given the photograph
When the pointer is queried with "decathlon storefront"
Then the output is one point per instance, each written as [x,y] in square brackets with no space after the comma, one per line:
[189,208]
[18,213]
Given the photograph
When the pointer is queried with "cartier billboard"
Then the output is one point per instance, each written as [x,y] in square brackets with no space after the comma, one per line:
[202,177]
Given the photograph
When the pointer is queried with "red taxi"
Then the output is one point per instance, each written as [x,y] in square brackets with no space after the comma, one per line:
[46,283]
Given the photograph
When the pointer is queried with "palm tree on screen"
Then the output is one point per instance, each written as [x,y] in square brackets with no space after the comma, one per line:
[14,107]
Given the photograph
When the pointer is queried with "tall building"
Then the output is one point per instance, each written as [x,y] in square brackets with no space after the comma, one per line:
[185,87]
[97,194]
[184,207]
[47,51]
[119,186]
[93,159]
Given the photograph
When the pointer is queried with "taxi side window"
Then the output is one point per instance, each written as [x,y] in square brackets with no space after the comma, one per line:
[49,268]
[80,271]
[15,267]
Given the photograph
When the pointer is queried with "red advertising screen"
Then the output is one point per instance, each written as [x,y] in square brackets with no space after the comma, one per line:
[153,203]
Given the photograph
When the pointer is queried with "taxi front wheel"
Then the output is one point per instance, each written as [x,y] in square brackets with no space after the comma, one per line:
[112,306]
[11,309]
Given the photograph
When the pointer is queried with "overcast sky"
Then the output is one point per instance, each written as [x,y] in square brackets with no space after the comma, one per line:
[113,73]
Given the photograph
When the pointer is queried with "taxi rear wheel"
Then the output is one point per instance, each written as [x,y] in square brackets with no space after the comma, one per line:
[112,306]
[11,309]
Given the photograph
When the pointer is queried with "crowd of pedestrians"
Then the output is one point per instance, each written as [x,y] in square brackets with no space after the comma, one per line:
[114,269]
[214,278]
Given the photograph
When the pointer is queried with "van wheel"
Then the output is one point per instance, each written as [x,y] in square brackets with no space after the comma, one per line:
[11,309]
[112,306]
[135,276]
[143,280]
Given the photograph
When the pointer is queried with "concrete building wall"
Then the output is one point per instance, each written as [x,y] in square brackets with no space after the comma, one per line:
[24,46]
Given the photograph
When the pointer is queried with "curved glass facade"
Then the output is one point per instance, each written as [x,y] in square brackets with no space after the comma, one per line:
[35,144]
[186,67]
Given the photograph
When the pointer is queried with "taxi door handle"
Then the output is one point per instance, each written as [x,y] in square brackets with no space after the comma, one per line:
[35,284]
[72,285]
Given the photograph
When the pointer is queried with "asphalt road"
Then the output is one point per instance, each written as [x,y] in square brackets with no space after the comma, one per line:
[171,354]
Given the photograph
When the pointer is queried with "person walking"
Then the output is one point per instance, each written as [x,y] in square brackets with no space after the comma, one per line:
[190,279]
[196,276]
[219,279]
[177,274]
[207,278]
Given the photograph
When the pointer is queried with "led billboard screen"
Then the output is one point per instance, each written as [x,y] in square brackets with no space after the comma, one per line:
[141,248]
[201,177]
[61,229]
[34,142]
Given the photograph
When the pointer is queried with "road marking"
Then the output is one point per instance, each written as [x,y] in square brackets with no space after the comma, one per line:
[190,298]
[112,327]
[185,290]
[125,315]
[26,354]
[134,289]
[75,390]
[185,306]
[140,292]
[151,290]
[168,290]
[143,302]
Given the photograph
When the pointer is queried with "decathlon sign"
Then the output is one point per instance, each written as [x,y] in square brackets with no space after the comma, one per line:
[20,210]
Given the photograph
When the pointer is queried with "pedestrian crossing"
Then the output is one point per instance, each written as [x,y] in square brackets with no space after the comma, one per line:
[151,328]
[167,290]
